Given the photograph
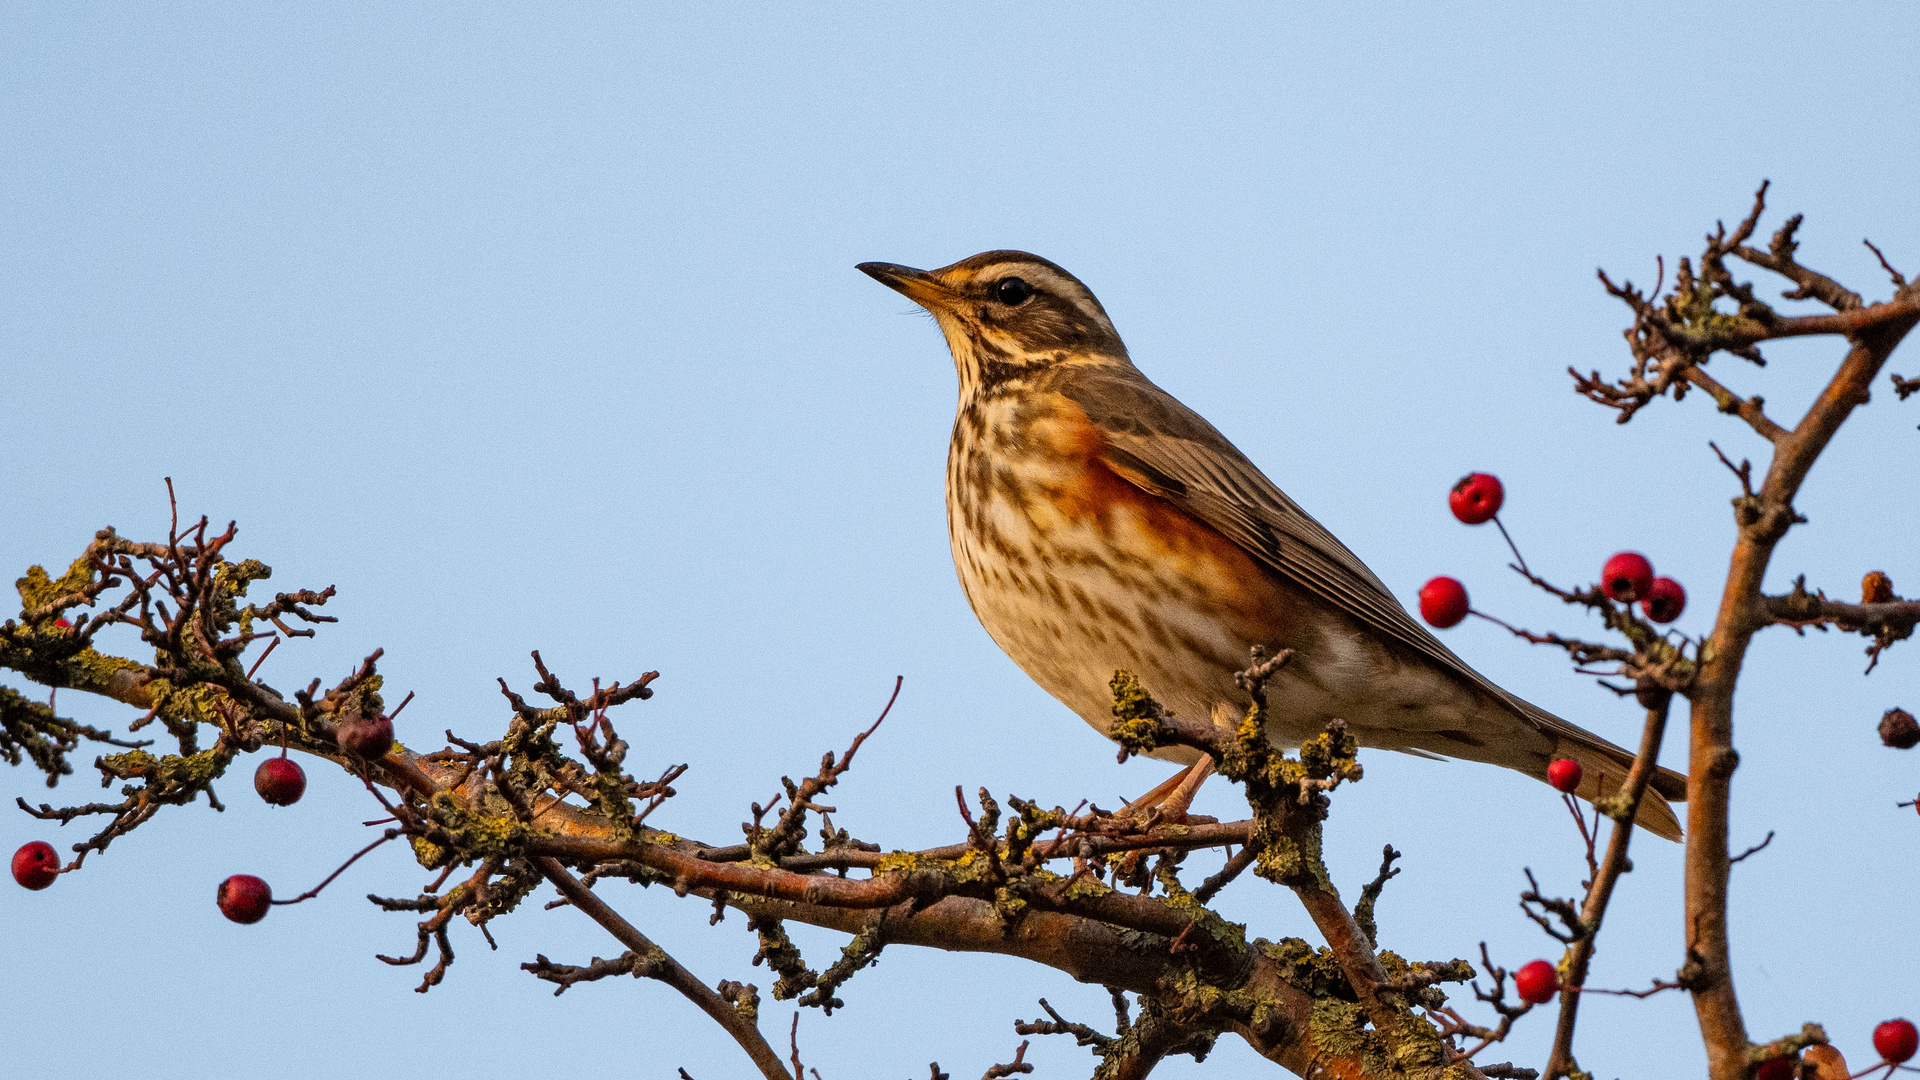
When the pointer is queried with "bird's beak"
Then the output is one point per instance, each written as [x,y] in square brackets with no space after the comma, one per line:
[918,285]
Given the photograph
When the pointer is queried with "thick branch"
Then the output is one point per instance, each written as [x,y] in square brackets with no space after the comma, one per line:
[1099,953]
[1764,519]
[918,882]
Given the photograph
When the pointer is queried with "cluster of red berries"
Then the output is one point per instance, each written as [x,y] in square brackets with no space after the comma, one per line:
[280,782]
[1895,1040]
[242,897]
[1627,577]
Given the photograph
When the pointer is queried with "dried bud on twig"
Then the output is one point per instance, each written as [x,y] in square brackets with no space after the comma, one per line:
[1898,730]
[1876,588]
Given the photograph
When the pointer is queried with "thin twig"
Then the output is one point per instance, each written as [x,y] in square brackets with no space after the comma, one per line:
[1626,803]
[672,973]
[1752,850]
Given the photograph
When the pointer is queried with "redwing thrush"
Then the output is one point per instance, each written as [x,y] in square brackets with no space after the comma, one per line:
[1098,524]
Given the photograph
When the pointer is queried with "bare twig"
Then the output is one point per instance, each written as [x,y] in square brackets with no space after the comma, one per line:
[1622,807]
[1754,850]
[355,857]
[1017,1065]
[666,969]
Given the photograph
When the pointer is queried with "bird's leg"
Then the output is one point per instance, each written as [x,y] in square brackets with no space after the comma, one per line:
[1176,804]
[1173,795]
[1140,807]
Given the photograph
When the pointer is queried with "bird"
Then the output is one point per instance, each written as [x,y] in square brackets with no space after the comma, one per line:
[1098,525]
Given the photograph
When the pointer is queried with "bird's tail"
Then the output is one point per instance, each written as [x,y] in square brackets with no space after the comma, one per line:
[1603,769]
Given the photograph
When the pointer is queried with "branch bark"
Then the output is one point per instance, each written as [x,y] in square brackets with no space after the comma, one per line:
[1764,519]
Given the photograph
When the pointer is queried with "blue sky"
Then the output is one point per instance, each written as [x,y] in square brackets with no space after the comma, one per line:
[537,327]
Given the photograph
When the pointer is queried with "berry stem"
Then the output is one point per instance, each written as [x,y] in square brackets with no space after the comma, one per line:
[1495,620]
[315,891]
[1511,546]
[263,656]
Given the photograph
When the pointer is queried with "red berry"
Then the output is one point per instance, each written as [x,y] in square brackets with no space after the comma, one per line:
[1627,577]
[279,781]
[369,737]
[1476,498]
[1443,602]
[244,898]
[35,865]
[1665,600]
[1564,775]
[1780,1068]
[1896,1040]
[1537,982]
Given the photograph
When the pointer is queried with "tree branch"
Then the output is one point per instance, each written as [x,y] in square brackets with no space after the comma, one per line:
[1873,333]
[659,965]
[1621,806]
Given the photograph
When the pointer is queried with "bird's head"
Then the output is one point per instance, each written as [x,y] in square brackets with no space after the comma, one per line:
[1008,313]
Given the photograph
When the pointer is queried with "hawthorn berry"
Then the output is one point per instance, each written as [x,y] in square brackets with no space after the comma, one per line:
[1536,983]
[1564,775]
[1896,1040]
[35,865]
[1476,498]
[244,898]
[1443,602]
[1780,1068]
[369,737]
[1627,577]
[279,781]
[1665,600]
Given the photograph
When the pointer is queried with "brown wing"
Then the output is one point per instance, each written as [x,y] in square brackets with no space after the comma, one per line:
[1166,448]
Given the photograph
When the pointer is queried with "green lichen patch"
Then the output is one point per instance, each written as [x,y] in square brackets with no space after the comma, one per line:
[38,590]
[1136,716]
[478,834]
[894,861]
[1231,934]
[170,779]
[429,854]
[1314,972]
[778,952]
[30,729]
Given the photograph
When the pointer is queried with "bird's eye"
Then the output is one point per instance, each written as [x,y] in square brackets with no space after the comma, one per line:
[1012,291]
